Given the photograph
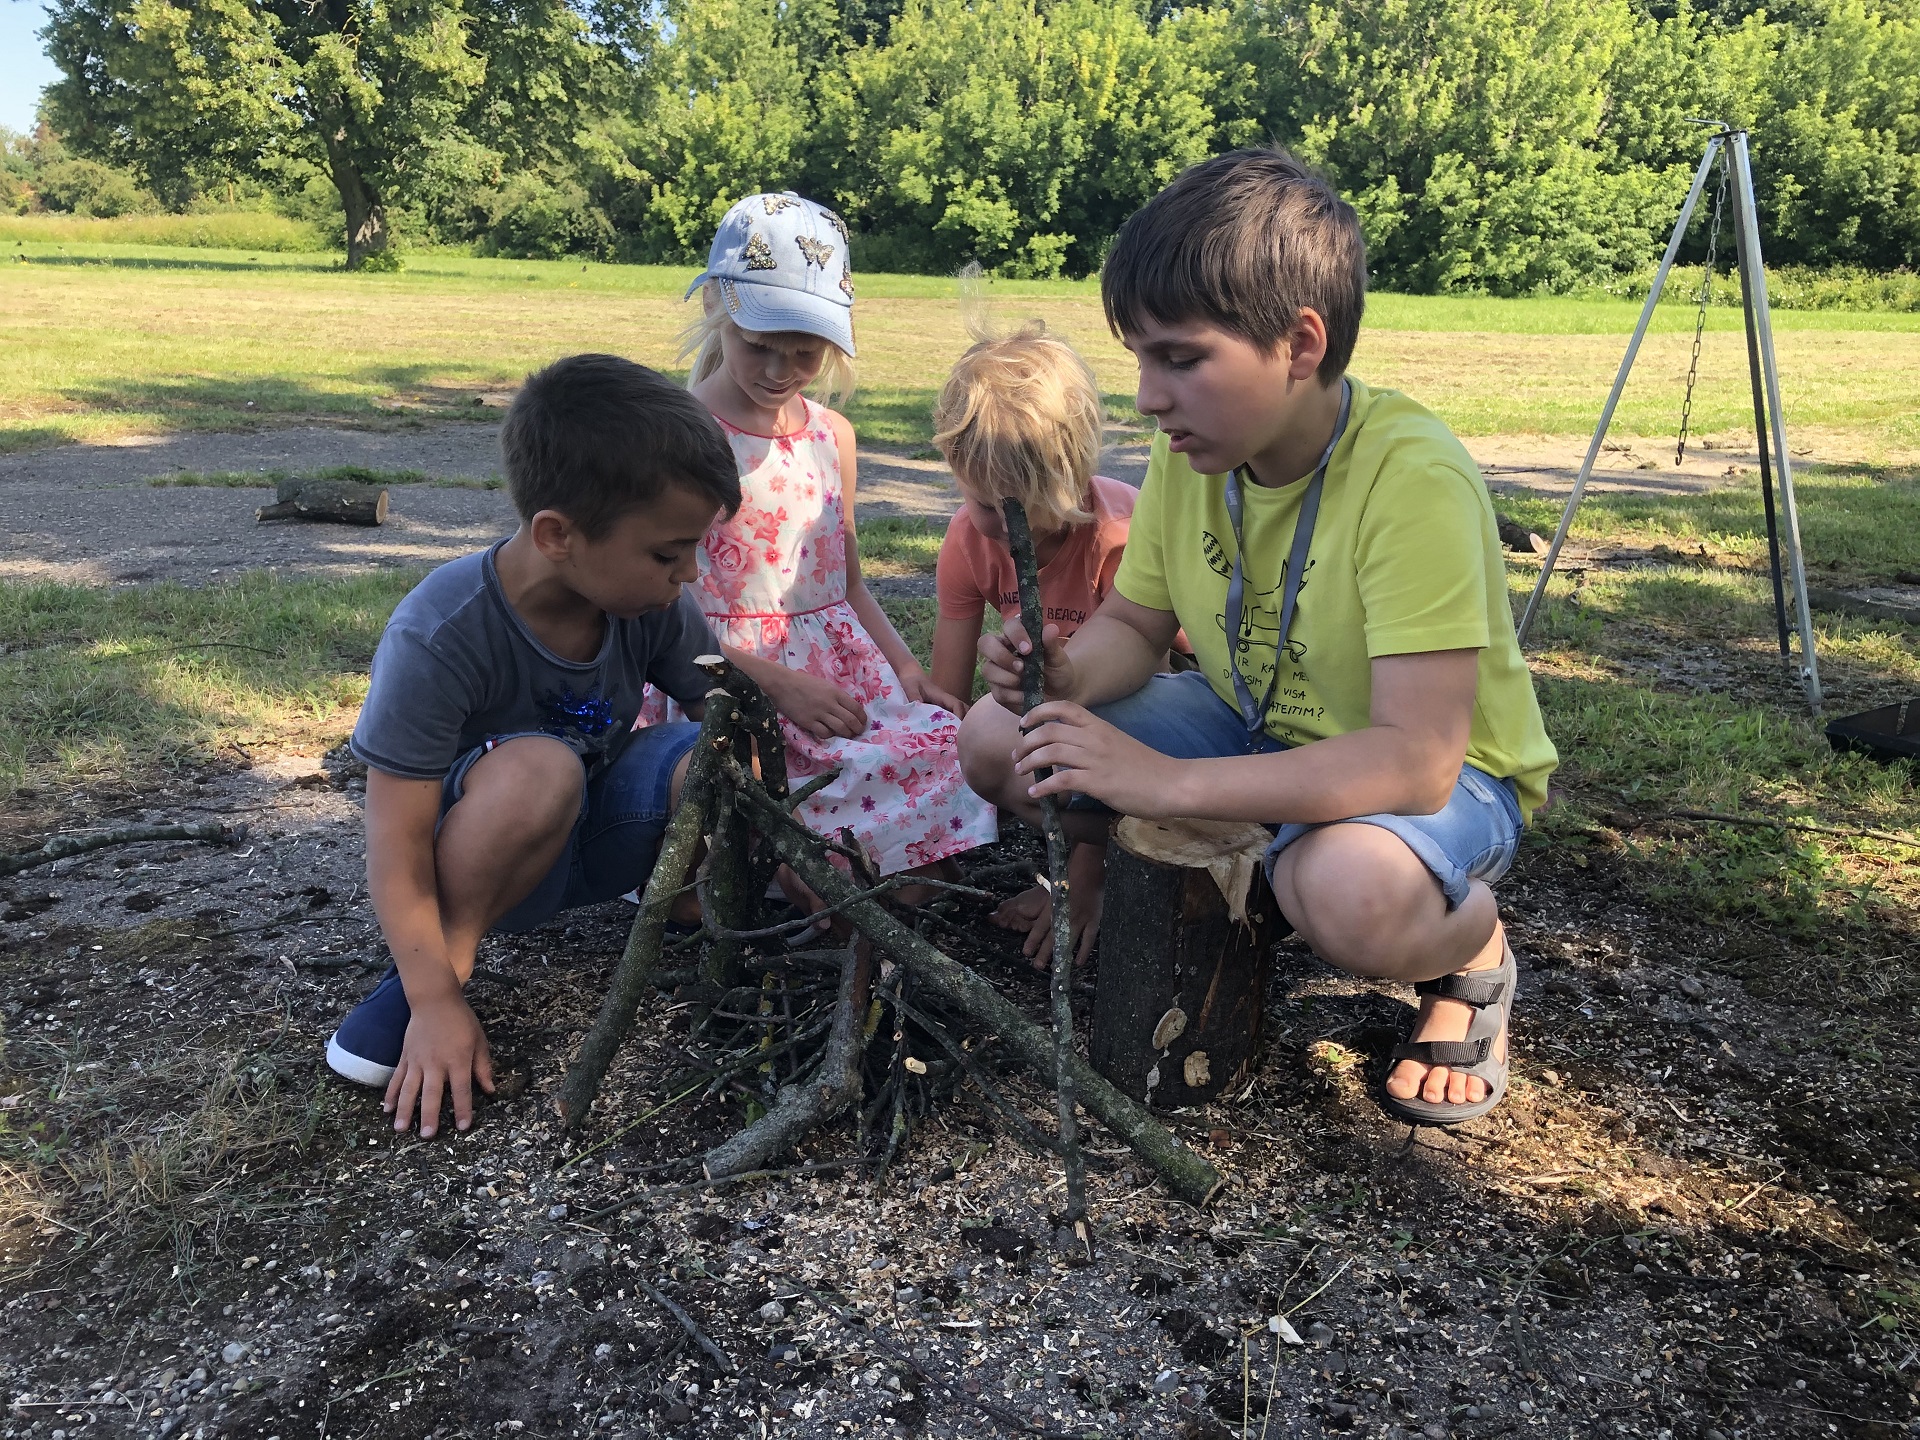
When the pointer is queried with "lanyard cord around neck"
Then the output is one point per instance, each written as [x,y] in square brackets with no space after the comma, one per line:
[1253,712]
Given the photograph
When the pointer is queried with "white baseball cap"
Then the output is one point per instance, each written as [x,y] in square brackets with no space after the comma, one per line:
[781,264]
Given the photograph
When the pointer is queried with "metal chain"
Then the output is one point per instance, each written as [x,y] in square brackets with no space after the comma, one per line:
[1700,321]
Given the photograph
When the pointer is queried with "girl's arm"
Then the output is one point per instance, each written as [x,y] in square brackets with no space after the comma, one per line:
[954,642]
[911,674]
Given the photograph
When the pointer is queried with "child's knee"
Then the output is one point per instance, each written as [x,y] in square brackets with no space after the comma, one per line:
[531,783]
[1360,897]
[986,748]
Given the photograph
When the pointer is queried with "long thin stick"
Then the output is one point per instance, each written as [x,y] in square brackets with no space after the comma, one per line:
[665,1302]
[642,956]
[1059,847]
[61,846]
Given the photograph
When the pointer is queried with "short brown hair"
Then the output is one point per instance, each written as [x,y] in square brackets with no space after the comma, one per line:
[1019,419]
[595,436]
[1245,241]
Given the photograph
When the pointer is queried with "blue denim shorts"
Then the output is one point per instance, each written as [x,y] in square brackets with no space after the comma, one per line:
[623,816]
[1473,838]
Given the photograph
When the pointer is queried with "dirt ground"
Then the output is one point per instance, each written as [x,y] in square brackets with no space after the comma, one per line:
[1695,1215]
[62,525]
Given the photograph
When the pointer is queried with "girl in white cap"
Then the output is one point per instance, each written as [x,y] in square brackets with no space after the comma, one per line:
[780,582]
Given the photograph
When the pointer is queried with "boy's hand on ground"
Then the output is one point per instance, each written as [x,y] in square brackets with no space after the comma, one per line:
[1002,659]
[444,1053]
[819,707]
[1091,757]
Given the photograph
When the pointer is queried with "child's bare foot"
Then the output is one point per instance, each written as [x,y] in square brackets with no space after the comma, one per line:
[1448,1020]
[1032,910]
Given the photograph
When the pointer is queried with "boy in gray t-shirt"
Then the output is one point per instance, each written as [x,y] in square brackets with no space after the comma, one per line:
[505,781]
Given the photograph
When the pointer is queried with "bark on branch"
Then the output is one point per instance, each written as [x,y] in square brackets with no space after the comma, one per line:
[61,846]
[1033,681]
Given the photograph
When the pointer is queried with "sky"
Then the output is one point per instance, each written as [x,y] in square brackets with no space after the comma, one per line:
[24,66]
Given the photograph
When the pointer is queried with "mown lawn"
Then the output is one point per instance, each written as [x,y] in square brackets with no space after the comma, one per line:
[113,340]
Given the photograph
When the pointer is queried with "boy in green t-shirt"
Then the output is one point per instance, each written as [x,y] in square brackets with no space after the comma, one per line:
[1330,550]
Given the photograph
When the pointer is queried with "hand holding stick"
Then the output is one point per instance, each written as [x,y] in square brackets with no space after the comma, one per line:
[1033,681]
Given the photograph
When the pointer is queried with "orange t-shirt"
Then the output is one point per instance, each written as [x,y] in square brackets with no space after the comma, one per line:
[975,572]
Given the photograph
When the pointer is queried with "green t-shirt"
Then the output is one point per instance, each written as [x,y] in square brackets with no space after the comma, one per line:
[1405,559]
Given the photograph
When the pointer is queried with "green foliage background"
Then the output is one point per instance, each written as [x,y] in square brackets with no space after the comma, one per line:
[1507,146]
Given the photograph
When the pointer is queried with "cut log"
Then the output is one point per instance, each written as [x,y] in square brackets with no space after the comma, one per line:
[1186,948]
[340,502]
[1516,536]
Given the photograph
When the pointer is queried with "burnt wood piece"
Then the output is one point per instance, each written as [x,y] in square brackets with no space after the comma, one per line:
[1179,1002]
[339,502]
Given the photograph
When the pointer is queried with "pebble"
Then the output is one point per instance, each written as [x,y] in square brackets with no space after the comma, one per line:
[1320,1333]
[1434,1431]
[233,1352]
[1550,1077]
[1714,1435]
[1526,1407]
[1165,1383]
[602,1350]
[542,1277]
[1641,1270]
[1473,1412]
[1691,988]
[198,1377]
[773,1311]
[906,1295]
[558,1212]
[784,1352]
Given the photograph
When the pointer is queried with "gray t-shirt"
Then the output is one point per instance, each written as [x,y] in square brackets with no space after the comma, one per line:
[457,667]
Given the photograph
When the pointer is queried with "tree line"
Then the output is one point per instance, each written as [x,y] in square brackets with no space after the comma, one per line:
[1507,146]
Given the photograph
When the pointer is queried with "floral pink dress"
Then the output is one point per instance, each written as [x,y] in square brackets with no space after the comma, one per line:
[773,582]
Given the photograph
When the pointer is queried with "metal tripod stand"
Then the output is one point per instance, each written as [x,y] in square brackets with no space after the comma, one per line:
[1727,147]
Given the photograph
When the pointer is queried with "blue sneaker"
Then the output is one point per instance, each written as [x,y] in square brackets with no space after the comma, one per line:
[366,1047]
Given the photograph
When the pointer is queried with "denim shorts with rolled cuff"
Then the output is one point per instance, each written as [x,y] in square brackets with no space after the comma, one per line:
[623,817]
[1473,838]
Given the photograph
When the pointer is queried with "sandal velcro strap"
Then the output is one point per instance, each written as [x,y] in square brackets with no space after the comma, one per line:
[1454,1054]
[1472,990]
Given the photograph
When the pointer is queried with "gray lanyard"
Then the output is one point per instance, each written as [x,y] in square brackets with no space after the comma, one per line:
[1255,713]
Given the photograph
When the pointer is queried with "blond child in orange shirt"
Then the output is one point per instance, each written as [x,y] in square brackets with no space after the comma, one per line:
[1019,418]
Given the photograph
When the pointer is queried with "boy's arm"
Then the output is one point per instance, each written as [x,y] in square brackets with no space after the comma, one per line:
[1405,762]
[445,1048]
[954,638]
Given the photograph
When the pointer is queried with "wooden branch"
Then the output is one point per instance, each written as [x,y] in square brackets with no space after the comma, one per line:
[1188,1175]
[1763,822]
[62,846]
[1059,848]
[714,1352]
[802,1108]
[642,955]
[343,502]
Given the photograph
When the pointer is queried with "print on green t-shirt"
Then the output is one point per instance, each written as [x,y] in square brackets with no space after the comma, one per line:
[1405,560]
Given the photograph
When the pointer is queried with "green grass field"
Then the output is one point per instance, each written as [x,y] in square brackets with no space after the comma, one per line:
[1657,680]
[124,339]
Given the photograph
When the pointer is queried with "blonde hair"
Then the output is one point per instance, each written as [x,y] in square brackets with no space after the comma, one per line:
[1019,419]
[701,342]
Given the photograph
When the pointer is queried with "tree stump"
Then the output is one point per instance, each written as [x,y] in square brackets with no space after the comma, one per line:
[1180,998]
[341,502]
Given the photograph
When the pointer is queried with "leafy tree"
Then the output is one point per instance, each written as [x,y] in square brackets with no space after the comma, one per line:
[1015,132]
[727,115]
[399,101]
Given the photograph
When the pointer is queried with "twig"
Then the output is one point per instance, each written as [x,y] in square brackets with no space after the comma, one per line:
[61,846]
[806,922]
[1027,1130]
[642,954]
[816,1167]
[1763,822]
[801,1108]
[1190,1177]
[1059,848]
[666,1303]
[812,788]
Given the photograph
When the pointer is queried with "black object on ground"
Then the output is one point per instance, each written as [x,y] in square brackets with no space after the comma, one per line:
[1890,733]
